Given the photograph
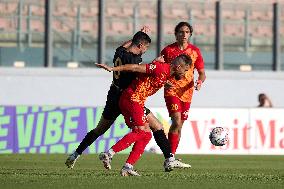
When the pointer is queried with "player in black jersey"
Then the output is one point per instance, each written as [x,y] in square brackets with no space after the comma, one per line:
[129,53]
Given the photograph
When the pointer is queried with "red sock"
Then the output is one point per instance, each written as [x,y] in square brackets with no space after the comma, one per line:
[126,141]
[139,148]
[174,141]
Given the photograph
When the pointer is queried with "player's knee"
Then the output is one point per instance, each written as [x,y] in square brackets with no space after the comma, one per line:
[148,136]
[177,123]
[156,127]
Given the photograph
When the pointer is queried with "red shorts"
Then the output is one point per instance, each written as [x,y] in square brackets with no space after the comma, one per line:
[174,104]
[133,112]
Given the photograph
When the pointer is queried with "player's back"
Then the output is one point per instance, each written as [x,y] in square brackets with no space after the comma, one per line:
[122,57]
[148,84]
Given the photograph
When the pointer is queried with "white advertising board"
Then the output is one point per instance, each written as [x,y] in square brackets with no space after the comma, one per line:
[251,131]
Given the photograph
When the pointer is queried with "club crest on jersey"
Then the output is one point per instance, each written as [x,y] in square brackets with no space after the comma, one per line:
[152,66]
[185,114]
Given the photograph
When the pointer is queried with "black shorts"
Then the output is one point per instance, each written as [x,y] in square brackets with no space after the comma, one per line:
[112,110]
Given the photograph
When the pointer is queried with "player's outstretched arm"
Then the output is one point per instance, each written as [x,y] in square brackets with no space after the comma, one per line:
[124,68]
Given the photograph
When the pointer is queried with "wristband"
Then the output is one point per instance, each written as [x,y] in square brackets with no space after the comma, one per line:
[199,82]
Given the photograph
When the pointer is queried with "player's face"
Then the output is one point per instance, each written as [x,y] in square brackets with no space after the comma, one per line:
[143,47]
[179,70]
[183,34]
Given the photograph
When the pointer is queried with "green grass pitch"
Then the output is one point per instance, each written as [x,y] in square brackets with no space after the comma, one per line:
[208,171]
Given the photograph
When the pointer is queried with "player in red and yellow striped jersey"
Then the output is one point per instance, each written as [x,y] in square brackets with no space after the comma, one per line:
[178,93]
[153,77]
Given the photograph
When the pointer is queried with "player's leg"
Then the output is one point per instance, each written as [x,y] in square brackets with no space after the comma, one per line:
[135,135]
[135,118]
[91,136]
[135,154]
[174,107]
[175,130]
[159,135]
[162,141]
[110,113]
[102,127]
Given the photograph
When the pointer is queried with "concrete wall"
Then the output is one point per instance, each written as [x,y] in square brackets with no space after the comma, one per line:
[88,87]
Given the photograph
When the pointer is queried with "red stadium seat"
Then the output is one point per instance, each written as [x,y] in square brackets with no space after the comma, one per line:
[236,30]
[89,12]
[37,25]
[128,11]
[37,10]
[147,10]
[89,26]
[261,30]
[6,24]
[119,27]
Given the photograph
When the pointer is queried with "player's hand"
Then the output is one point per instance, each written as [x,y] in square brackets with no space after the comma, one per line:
[104,66]
[146,29]
[198,84]
[160,59]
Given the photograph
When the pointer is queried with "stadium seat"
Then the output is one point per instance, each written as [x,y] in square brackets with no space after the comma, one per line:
[203,14]
[261,30]
[147,10]
[233,14]
[60,10]
[236,30]
[119,27]
[37,10]
[128,10]
[6,24]
[89,26]
[37,25]
[204,29]
[176,12]
[169,27]
[9,8]
[114,11]
[261,15]
[89,12]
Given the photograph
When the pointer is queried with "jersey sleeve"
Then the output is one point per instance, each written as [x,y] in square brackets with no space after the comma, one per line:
[154,68]
[199,64]
[165,53]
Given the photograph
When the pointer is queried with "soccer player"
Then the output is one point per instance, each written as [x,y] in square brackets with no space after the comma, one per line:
[178,93]
[132,103]
[129,52]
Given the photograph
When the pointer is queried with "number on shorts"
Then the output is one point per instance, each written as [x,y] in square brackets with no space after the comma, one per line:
[174,106]
[117,62]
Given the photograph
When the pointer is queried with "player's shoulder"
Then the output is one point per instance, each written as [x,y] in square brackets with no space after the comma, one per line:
[194,47]
[120,49]
[171,46]
[160,66]
[127,57]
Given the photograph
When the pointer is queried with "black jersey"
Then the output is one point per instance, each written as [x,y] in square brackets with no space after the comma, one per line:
[122,57]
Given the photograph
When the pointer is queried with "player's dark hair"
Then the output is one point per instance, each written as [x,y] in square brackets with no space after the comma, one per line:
[141,37]
[181,24]
[184,58]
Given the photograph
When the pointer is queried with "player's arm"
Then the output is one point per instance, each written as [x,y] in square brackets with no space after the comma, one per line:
[199,65]
[141,68]
[201,79]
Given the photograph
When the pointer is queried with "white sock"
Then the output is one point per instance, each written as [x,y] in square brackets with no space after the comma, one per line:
[170,159]
[111,152]
[128,165]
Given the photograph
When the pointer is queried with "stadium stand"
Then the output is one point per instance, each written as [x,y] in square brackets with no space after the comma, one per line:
[80,16]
